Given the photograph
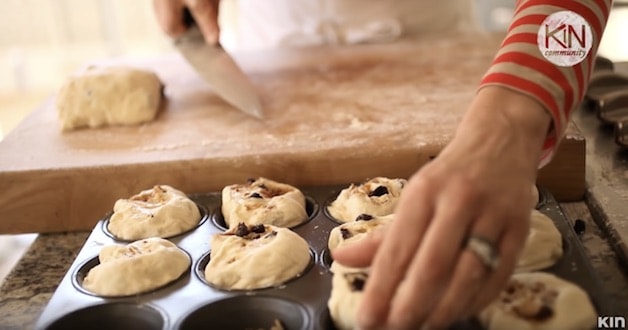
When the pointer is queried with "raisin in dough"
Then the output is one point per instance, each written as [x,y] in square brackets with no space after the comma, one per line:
[103,96]
[263,201]
[376,197]
[543,246]
[135,268]
[255,257]
[356,230]
[347,287]
[158,212]
[540,301]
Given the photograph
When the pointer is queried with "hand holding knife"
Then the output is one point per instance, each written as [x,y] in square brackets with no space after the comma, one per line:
[209,60]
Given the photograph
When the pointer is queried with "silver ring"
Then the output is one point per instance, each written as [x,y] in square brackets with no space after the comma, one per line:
[484,250]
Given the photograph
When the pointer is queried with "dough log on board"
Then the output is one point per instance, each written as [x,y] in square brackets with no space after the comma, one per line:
[105,96]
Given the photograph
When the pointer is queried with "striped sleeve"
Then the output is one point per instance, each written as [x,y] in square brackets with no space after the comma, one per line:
[520,65]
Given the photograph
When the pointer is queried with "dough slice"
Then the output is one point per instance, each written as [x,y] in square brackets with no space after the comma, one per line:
[158,212]
[540,301]
[543,247]
[135,268]
[255,257]
[103,96]
[377,197]
[347,286]
[356,230]
[263,201]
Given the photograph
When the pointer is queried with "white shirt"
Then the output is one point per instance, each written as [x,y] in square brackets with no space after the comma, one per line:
[259,24]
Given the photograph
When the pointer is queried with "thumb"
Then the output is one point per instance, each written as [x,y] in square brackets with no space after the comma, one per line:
[168,14]
[359,254]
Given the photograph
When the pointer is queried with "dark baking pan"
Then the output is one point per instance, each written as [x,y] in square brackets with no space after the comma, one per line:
[603,64]
[603,83]
[613,107]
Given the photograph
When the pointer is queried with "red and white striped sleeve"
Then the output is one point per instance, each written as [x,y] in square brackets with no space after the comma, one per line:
[519,64]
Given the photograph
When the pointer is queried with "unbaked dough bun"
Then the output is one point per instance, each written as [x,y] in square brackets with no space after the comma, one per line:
[263,201]
[158,212]
[543,246]
[135,268]
[540,301]
[377,197]
[356,230]
[347,287]
[103,96]
[255,257]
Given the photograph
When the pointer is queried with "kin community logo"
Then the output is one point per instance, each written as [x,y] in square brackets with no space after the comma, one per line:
[611,322]
[565,38]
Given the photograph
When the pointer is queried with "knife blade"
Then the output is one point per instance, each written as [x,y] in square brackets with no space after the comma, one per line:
[220,71]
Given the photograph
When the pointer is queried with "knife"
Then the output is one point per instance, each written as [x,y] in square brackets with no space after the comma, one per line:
[218,69]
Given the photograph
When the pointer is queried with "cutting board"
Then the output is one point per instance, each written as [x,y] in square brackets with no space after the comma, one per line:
[333,115]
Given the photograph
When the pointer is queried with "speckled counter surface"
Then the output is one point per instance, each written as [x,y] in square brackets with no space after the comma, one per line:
[28,288]
[30,285]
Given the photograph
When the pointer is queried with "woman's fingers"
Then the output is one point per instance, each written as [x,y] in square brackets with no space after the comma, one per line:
[510,247]
[396,251]
[205,13]
[170,16]
[430,273]
[360,254]
[473,270]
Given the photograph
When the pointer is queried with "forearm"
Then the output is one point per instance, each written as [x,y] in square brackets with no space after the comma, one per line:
[520,66]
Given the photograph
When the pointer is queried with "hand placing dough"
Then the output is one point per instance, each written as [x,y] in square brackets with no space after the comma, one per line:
[205,12]
[424,272]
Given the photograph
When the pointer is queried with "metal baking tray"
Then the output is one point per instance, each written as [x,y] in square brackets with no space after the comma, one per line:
[301,303]
[603,83]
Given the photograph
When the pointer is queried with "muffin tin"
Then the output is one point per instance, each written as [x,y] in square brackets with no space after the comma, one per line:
[607,95]
[301,303]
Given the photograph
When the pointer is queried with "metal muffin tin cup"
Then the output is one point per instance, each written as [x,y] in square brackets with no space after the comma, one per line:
[301,303]
[607,95]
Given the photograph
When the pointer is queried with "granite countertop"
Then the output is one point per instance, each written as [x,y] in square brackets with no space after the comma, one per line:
[28,288]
